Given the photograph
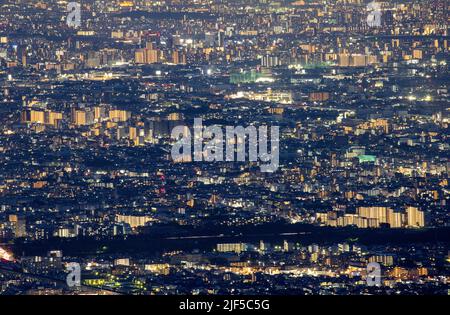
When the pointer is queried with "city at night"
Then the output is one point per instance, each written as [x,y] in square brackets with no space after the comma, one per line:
[224,148]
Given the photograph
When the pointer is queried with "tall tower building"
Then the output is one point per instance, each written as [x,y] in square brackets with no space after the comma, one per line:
[78,117]
[414,217]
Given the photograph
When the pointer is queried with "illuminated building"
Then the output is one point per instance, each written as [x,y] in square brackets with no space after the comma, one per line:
[386,260]
[52,118]
[117,115]
[19,225]
[415,217]
[270,61]
[179,57]
[231,247]
[268,96]
[41,117]
[133,221]
[148,55]
[319,96]
[356,60]
[99,113]
[174,117]
[163,269]
[33,116]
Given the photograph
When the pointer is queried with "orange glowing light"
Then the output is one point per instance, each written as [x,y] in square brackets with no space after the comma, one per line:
[5,255]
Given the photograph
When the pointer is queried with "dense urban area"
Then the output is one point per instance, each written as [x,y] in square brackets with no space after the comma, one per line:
[358,89]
